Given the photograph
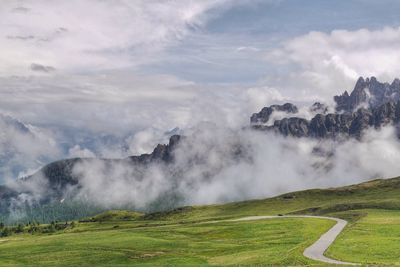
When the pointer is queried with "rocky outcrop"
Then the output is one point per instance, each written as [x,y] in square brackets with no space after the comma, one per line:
[370,104]
[297,127]
[162,152]
[319,108]
[337,125]
[264,115]
[368,92]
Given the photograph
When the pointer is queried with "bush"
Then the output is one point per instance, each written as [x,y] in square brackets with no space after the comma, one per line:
[19,229]
[5,232]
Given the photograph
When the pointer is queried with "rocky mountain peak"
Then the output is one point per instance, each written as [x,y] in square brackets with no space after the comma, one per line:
[162,152]
[320,108]
[360,82]
[370,104]
[264,115]
[396,82]
[368,92]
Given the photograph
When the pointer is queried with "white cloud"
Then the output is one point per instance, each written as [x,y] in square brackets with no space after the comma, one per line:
[324,64]
[111,103]
[77,65]
[119,103]
[78,152]
[146,140]
[24,148]
[83,36]
[259,97]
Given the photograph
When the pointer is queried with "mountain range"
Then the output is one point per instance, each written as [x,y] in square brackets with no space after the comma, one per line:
[370,104]
[58,186]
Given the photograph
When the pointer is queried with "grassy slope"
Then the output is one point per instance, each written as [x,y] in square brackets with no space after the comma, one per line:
[174,238]
[376,194]
[276,242]
[374,239]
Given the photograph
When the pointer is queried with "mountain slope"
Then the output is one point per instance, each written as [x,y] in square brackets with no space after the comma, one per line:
[375,194]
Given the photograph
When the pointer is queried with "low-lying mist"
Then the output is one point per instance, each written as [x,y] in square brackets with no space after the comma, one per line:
[215,165]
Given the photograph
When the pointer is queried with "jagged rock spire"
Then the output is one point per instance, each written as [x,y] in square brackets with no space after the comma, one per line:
[370,92]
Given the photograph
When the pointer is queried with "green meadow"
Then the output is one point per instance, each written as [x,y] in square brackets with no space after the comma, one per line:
[372,240]
[276,242]
[200,236]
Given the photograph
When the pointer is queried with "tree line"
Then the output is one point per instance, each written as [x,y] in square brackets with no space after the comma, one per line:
[34,227]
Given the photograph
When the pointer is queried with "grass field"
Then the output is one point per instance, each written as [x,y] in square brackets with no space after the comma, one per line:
[189,236]
[276,242]
[377,194]
[374,239]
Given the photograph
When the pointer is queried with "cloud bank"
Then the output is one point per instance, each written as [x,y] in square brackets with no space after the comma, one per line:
[216,165]
[76,36]
[324,64]
[24,148]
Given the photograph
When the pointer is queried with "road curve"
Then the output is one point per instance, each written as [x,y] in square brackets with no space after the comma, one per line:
[316,250]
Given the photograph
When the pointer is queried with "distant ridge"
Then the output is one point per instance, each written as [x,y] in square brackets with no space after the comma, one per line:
[370,104]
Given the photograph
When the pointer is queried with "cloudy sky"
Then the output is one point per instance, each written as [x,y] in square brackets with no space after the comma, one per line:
[136,69]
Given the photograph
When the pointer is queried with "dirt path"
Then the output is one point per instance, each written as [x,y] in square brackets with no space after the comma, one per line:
[316,250]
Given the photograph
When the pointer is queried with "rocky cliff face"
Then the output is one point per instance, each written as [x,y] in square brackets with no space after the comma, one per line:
[162,152]
[336,125]
[264,115]
[319,108]
[370,93]
[370,104]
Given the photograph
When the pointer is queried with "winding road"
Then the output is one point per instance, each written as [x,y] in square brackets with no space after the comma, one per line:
[316,250]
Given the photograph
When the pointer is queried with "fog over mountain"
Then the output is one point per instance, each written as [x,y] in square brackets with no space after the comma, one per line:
[247,99]
[24,147]
[212,163]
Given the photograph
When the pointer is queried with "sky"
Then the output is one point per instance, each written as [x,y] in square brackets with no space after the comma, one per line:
[111,78]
